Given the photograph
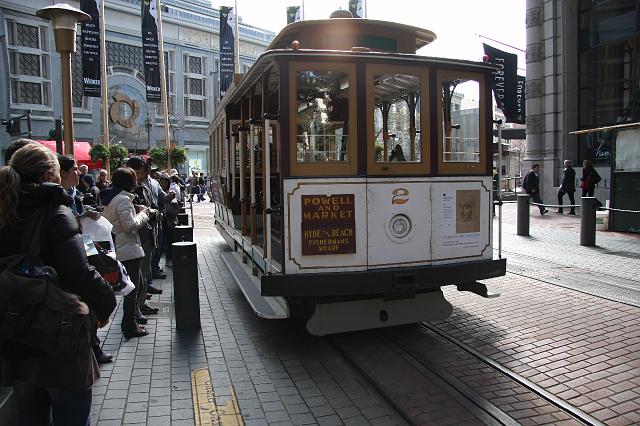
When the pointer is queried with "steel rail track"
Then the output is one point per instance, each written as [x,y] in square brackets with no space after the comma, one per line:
[483,410]
[571,410]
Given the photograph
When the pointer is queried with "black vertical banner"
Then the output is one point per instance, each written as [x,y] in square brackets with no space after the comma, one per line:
[504,81]
[90,41]
[227,62]
[150,50]
[356,8]
[521,112]
[293,14]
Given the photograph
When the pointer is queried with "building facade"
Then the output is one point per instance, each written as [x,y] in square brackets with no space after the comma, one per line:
[583,75]
[31,67]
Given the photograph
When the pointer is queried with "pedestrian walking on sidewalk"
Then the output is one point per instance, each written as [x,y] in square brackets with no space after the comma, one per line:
[589,180]
[567,186]
[531,186]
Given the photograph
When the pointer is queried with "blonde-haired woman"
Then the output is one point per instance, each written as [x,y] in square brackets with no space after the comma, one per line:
[50,388]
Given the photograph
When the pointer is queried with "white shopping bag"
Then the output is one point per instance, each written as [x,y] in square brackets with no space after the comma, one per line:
[98,230]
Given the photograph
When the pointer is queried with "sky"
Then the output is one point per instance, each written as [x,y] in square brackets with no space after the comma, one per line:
[460,25]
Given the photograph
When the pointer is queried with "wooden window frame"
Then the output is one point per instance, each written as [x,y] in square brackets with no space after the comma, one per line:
[399,168]
[338,168]
[463,168]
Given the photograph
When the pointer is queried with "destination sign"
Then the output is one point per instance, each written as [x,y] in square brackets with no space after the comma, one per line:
[328,224]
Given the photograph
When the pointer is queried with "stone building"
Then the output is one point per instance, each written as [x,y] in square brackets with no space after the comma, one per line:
[583,76]
[30,66]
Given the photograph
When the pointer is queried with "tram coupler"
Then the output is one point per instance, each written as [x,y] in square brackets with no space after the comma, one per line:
[479,289]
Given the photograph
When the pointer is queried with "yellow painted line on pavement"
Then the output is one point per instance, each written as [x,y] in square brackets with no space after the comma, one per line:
[205,410]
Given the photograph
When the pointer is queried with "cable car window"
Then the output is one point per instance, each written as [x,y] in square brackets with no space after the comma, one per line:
[460,120]
[322,119]
[397,117]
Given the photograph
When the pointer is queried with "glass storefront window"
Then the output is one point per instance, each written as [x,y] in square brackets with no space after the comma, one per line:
[607,21]
[617,102]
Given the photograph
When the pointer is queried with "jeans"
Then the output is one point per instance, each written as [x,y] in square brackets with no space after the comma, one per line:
[38,406]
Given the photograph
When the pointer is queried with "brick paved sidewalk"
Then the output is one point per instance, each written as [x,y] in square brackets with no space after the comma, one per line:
[277,374]
[583,348]
[555,238]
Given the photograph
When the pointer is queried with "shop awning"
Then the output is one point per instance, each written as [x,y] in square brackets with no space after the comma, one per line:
[605,128]
[80,153]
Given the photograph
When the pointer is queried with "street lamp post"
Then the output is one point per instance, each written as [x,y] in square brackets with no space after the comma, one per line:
[64,19]
[147,125]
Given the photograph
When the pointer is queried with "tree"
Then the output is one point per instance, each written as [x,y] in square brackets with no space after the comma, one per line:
[99,152]
[117,154]
[519,148]
[176,124]
[178,154]
[159,155]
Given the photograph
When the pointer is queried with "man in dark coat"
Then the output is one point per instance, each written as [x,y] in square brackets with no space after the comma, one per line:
[532,187]
[567,186]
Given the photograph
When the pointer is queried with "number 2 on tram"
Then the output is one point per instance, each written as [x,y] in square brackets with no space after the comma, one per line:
[353,178]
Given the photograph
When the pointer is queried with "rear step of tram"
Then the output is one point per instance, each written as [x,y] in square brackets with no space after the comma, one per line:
[479,289]
[263,306]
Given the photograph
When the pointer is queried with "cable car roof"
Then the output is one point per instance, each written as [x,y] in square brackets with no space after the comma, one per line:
[349,33]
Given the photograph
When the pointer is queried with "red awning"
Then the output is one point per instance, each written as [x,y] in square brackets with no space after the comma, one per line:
[80,153]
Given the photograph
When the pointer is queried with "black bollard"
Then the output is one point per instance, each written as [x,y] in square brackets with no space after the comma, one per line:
[183,233]
[523,215]
[588,221]
[183,218]
[186,297]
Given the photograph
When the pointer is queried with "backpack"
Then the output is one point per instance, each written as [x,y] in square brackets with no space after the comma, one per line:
[37,317]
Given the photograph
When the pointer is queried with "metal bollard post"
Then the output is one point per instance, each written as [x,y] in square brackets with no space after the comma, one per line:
[185,286]
[523,215]
[588,222]
[183,218]
[183,233]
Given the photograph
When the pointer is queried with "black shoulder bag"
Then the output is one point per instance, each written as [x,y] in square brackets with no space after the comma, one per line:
[37,317]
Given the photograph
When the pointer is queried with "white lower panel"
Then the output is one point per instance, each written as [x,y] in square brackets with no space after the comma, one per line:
[330,318]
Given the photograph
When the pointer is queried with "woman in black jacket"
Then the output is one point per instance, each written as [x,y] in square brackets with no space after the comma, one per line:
[50,386]
[589,179]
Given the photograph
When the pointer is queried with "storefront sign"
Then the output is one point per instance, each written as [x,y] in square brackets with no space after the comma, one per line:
[328,224]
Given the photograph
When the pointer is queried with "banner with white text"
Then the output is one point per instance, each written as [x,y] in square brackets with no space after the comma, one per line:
[150,50]
[227,49]
[293,14]
[505,82]
[356,7]
[90,41]
[521,112]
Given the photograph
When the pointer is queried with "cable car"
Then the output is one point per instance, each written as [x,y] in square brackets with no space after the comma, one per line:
[353,178]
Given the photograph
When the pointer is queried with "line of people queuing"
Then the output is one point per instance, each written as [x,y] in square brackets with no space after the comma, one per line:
[141,204]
